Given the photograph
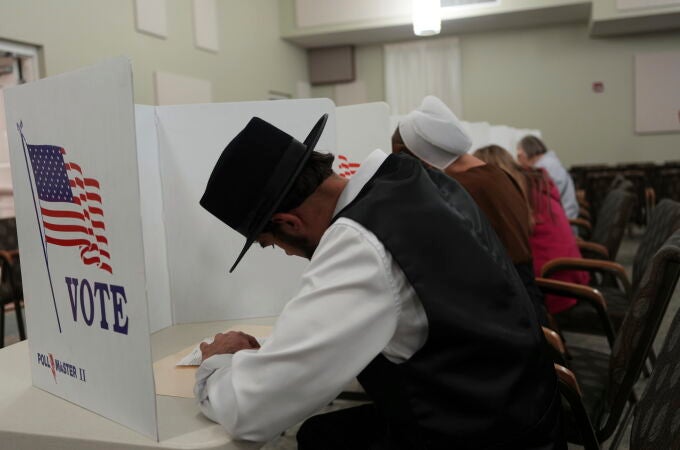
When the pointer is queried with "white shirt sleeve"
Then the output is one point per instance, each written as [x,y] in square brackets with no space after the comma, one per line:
[345,314]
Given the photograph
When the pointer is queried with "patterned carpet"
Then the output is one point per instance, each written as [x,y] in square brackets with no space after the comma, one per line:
[625,257]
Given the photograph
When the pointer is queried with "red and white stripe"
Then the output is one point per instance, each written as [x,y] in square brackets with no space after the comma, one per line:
[80,223]
[347,168]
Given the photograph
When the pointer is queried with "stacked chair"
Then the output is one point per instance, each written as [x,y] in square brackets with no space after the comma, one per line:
[647,180]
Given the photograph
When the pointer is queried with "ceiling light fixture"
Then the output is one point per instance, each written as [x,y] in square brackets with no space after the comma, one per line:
[427,17]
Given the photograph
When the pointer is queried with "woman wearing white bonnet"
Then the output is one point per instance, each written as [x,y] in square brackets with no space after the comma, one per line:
[433,134]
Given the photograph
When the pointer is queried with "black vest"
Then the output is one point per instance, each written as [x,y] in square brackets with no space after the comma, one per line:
[483,378]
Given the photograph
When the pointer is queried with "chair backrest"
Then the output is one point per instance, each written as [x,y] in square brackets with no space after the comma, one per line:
[621,182]
[664,221]
[8,234]
[657,424]
[597,185]
[612,219]
[639,328]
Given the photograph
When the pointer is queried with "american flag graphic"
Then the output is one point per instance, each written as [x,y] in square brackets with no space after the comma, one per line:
[347,168]
[70,205]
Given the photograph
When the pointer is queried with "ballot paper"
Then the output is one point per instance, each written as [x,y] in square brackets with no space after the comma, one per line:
[195,356]
[174,374]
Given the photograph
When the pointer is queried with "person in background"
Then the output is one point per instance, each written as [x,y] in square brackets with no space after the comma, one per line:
[532,152]
[551,236]
[434,135]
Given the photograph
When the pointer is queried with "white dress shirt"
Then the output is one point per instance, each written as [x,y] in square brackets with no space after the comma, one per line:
[354,303]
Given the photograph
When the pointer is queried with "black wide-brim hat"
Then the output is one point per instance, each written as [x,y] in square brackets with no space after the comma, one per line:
[254,174]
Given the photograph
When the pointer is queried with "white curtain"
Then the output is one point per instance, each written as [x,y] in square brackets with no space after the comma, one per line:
[416,69]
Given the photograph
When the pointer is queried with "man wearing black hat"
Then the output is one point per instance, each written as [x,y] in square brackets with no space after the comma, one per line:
[408,289]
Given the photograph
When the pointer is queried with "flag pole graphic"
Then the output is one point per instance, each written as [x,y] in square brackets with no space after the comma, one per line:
[38,217]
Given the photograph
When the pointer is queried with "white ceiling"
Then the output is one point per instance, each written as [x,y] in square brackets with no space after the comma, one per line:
[323,23]
[398,29]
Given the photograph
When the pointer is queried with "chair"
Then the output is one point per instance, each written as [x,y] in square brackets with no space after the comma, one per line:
[639,183]
[11,288]
[610,225]
[607,380]
[665,220]
[644,184]
[597,184]
[656,424]
[600,240]
[579,173]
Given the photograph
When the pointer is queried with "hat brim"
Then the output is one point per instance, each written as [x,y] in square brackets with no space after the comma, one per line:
[310,143]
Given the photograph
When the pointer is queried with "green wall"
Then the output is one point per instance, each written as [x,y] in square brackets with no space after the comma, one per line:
[75,33]
[541,78]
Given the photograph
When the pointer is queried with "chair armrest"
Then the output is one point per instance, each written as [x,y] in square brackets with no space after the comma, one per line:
[650,196]
[571,392]
[583,223]
[555,342]
[650,202]
[581,198]
[583,226]
[584,293]
[9,255]
[589,265]
[567,377]
[598,249]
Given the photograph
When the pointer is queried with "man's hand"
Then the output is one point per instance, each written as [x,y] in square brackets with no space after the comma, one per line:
[229,342]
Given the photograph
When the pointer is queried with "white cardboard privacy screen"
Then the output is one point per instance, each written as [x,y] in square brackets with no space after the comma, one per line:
[483,134]
[361,129]
[201,248]
[155,255]
[78,212]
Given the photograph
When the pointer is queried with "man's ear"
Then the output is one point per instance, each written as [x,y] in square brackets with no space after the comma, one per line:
[288,222]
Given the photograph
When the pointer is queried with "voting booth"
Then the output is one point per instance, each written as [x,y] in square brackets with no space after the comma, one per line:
[77,201]
[114,244]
